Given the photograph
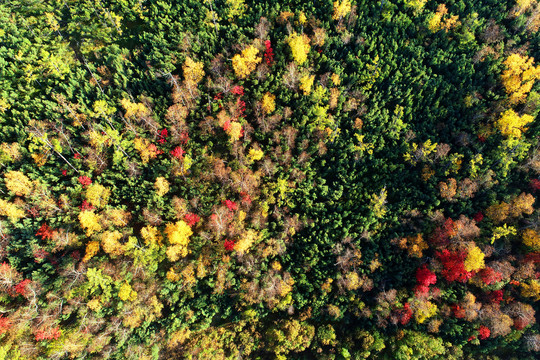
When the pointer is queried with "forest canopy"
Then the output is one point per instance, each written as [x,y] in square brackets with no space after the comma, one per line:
[278,179]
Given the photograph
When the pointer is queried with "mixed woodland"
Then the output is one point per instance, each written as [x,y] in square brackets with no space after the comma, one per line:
[278,179]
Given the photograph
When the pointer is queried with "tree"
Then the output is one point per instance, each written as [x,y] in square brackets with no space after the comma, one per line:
[162,186]
[453,265]
[474,260]
[531,239]
[519,77]
[299,45]
[510,124]
[341,9]
[18,183]
[268,103]
[245,63]
[90,221]
[97,195]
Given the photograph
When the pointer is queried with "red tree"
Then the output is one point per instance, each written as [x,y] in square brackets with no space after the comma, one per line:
[453,263]
[483,332]
[269,53]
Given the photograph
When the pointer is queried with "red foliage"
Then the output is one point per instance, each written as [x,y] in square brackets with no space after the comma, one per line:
[5,324]
[483,332]
[535,184]
[227,125]
[86,206]
[231,205]
[495,296]
[64,172]
[229,245]
[45,232]
[178,152]
[458,311]
[184,137]
[269,53]
[192,219]
[454,268]
[77,156]
[478,216]
[47,334]
[238,90]
[85,180]
[246,199]
[40,254]
[533,257]
[405,314]
[162,136]
[22,287]
[76,255]
[219,96]
[482,138]
[490,276]
[425,277]
[442,234]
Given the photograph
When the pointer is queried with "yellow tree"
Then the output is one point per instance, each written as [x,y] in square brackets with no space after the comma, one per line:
[245,63]
[268,103]
[474,260]
[97,195]
[341,9]
[90,222]
[299,47]
[162,186]
[178,235]
[531,239]
[519,77]
[18,183]
[511,124]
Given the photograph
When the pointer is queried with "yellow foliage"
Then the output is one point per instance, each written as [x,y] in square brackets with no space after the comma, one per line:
[146,149]
[245,242]
[319,37]
[151,235]
[172,275]
[193,71]
[39,159]
[126,293]
[531,239]
[474,260]
[97,195]
[531,290]
[498,212]
[511,124]
[176,252]
[502,231]
[255,154]
[90,222]
[118,217]
[268,103]
[162,186]
[352,281]
[236,8]
[9,152]
[416,5]
[246,63]
[423,310]
[299,47]
[178,235]
[12,211]
[414,245]
[18,183]
[92,249]
[306,83]
[94,304]
[378,203]
[137,110]
[234,131]
[341,8]
[437,23]
[110,243]
[101,108]
[519,77]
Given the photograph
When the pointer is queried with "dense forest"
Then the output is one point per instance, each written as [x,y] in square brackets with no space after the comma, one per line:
[277,179]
